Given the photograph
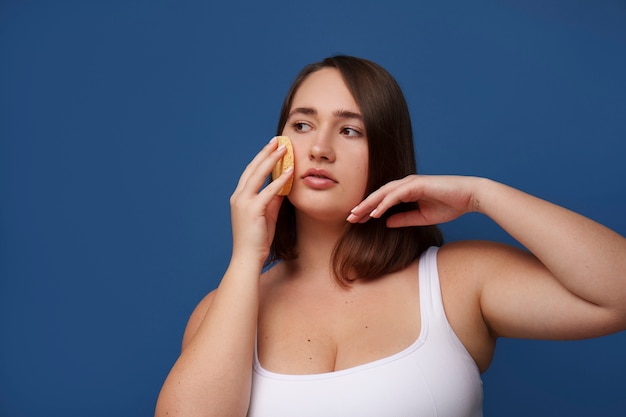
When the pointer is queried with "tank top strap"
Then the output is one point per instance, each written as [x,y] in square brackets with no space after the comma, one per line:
[430,290]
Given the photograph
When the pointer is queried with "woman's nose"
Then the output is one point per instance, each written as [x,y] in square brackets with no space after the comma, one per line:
[322,148]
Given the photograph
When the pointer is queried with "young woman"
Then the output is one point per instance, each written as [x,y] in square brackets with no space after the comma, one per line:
[363,311]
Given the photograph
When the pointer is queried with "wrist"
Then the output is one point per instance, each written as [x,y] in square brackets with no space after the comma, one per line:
[484,191]
[246,262]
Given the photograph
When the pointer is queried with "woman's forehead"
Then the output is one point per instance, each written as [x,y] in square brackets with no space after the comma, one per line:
[325,90]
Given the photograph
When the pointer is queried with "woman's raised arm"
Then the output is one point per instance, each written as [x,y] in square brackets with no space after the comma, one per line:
[213,374]
[572,285]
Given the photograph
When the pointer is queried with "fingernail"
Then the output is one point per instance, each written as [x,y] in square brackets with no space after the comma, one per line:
[351,217]
[354,209]
[373,213]
[273,140]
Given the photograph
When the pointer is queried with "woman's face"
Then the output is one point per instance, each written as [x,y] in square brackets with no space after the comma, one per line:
[330,147]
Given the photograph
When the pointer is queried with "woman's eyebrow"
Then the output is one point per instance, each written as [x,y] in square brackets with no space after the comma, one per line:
[347,114]
[303,110]
[310,111]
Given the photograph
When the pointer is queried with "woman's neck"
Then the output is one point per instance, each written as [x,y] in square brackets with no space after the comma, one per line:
[315,244]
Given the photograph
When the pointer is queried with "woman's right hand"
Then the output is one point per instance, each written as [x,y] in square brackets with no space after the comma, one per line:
[254,210]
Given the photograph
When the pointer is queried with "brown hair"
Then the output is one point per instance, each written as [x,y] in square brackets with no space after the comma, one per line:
[368,250]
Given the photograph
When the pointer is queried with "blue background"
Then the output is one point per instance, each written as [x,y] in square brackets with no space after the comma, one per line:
[124,126]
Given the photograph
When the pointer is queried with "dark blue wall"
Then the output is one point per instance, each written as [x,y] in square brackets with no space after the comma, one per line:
[124,126]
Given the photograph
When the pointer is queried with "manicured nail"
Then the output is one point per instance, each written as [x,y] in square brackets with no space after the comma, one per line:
[373,213]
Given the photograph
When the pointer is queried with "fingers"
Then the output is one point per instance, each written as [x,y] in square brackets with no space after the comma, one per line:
[441,199]
[389,195]
[254,165]
[366,208]
[256,172]
[275,186]
[249,202]
[408,218]
[254,209]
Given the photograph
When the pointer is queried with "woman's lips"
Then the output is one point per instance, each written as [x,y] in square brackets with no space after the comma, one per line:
[318,179]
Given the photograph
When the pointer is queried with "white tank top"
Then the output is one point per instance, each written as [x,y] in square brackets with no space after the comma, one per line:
[435,376]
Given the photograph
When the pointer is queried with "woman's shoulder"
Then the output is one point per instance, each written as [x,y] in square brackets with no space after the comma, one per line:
[470,264]
[196,317]
[269,276]
[464,267]
[476,255]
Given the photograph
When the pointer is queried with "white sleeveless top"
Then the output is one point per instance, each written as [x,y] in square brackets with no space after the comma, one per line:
[435,376]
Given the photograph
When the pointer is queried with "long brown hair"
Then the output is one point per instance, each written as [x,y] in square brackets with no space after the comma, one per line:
[369,250]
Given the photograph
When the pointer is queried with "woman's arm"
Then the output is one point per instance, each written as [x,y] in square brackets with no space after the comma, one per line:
[213,374]
[580,292]
[572,285]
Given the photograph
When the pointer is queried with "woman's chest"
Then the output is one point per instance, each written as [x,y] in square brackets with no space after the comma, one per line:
[308,331]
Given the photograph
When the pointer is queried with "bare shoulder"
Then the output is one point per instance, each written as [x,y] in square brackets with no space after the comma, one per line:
[464,268]
[481,250]
[200,311]
[478,260]
[471,267]
[196,318]
[514,295]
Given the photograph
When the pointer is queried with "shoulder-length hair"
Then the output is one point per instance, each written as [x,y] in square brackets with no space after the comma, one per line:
[369,250]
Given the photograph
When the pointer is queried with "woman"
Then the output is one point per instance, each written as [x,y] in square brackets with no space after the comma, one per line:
[363,310]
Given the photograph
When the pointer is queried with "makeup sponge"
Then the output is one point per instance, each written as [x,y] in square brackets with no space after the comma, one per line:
[283,164]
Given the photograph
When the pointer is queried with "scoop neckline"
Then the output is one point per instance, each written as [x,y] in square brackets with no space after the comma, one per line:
[353,369]
[424,308]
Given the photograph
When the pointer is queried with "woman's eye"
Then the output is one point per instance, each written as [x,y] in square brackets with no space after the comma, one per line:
[348,131]
[301,127]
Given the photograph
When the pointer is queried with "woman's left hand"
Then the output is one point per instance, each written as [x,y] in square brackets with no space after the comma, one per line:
[440,198]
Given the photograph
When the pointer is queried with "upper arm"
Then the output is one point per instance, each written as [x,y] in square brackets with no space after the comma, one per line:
[196,318]
[520,298]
